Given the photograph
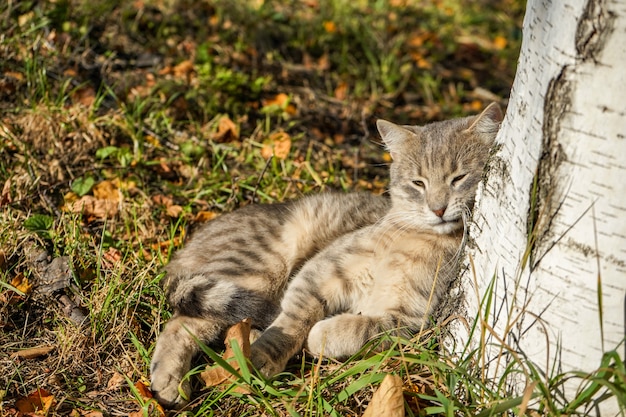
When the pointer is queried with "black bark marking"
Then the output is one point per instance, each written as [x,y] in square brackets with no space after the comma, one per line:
[594,27]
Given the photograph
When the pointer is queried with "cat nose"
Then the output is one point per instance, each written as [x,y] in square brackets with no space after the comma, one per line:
[440,212]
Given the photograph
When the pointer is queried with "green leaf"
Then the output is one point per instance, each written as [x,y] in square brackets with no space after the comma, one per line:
[82,186]
[39,223]
[105,152]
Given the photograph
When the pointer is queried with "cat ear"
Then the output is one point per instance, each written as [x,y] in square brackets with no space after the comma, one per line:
[487,124]
[393,135]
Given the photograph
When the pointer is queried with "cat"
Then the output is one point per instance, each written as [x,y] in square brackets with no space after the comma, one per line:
[329,272]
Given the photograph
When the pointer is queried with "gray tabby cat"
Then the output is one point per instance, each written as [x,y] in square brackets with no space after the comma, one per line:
[329,272]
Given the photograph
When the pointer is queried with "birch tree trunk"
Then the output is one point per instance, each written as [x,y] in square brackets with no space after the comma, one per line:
[550,222]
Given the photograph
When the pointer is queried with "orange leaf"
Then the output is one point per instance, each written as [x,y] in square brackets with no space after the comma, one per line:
[38,401]
[278,144]
[330,27]
[146,394]
[280,100]
[107,190]
[205,216]
[217,375]
[341,92]
[227,130]
[143,390]
[21,283]
[183,69]
[500,42]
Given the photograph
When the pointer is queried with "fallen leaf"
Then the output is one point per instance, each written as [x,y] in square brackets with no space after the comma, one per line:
[162,200]
[500,42]
[38,401]
[227,130]
[146,394]
[111,258]
[92,207]
[205,216]
[107,190]
[217,375]
[5,196]
[84,95]
[278,145]
[20,282]
[183,70]
[341,91]
[330,27]
[144,391]
[32,353]
[174,211]
[282,101]
[116,381]
[387,400]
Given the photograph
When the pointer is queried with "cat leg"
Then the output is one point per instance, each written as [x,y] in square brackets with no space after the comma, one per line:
[302,307]
[344,335]
[175,348]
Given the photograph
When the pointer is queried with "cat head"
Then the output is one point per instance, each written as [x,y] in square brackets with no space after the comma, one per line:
[437,167]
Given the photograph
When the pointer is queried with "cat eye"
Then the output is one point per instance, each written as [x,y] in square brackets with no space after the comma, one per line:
[418,183]
[458,178]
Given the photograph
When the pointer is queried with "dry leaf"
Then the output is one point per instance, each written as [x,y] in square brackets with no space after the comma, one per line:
[183,69]
[107,190]
[174,210]
[205,216]
[146,394]
[32,353]
[282,101]
[38,401]
[111,257]
[227,130]
[116,381]
[341,92]
[330,27]
[5,196]
[278,145]
[500,42]
[84,95]
[163,200]
[21,283]
[387,400]
[217,375]
[91,207]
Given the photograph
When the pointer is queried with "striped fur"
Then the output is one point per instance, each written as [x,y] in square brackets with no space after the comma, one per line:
[330,272]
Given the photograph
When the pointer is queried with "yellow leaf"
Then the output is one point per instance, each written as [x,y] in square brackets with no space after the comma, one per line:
[20,282]
[107,190]
[500,42]
[330,27]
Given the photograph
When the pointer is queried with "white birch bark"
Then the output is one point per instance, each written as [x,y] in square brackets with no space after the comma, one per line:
[566,126]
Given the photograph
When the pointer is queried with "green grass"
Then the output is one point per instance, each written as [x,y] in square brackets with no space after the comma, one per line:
[126,108]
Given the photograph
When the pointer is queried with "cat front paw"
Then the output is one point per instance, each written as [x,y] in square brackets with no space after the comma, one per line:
[171,391]
[335,337]
[264,363]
